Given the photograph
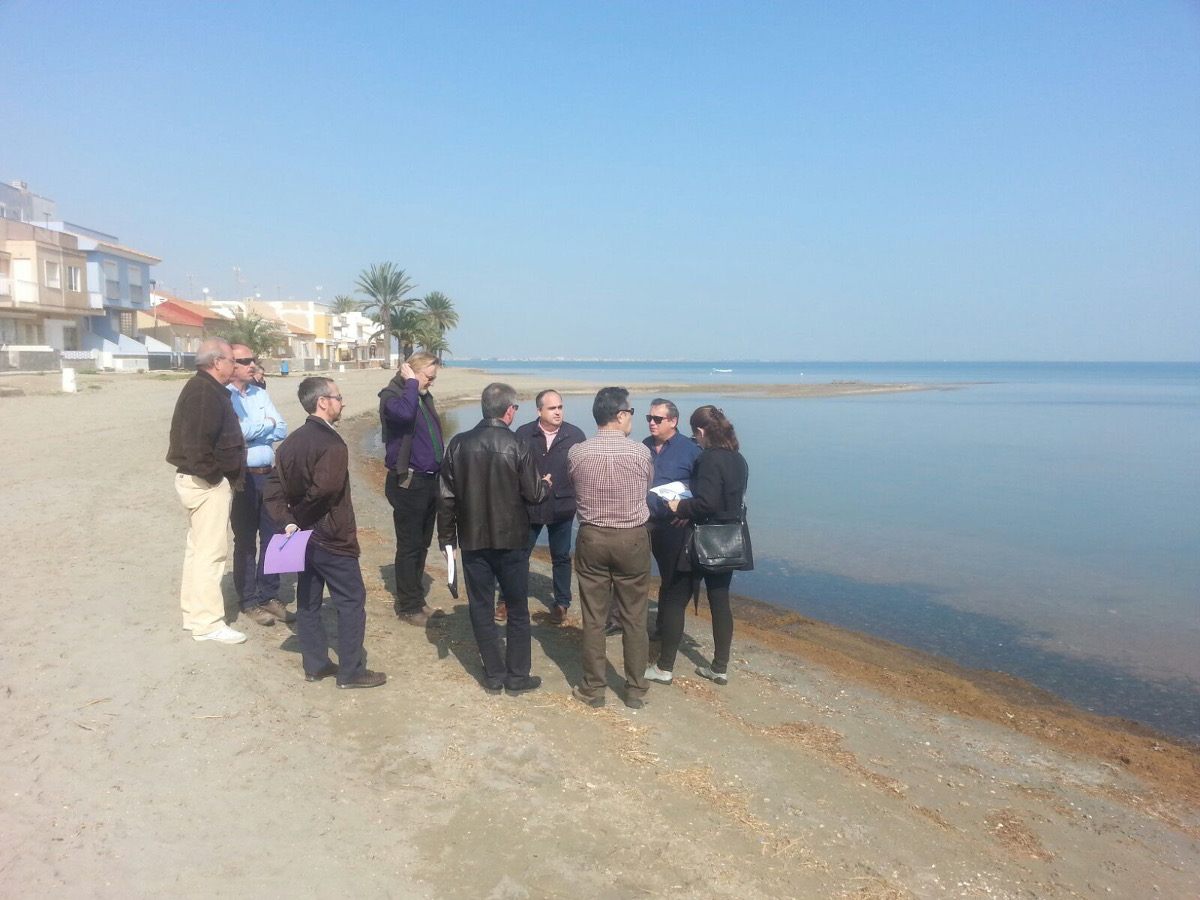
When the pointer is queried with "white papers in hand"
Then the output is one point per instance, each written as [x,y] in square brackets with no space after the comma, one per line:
[674,490]
[451,572]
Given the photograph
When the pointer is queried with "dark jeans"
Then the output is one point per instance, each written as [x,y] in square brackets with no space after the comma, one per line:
[414,510]
[253,529]
[559,535]
[673,609]
[349,597]
[666,543]
[481,570]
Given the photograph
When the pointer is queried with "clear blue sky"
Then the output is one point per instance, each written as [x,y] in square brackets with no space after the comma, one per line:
[1009,180]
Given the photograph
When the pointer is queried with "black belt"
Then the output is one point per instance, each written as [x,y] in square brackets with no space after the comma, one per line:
[259,470]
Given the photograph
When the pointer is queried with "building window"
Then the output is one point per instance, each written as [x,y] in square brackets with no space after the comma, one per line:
[74,279]
[112,281]
[134,273]
[127,324]
[53,274]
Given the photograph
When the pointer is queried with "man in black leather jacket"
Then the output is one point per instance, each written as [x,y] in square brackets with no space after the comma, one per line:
[488,475]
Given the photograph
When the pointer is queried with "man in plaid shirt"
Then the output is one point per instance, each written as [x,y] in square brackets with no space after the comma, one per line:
[612,476]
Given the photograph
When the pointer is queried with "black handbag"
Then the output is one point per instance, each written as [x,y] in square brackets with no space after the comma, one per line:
[721,546]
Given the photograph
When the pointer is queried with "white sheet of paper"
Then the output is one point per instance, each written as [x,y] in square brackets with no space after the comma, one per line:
[674,490]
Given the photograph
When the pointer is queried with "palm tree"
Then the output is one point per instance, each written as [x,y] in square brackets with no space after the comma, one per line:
[439,310]
[385,286]
[435,342]
[405,325]
[343,304]
[254,331]
[439,314]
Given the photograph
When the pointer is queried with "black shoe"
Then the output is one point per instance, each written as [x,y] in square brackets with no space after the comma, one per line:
[323,672]
[635,702]
[365,680]
[494,687]
[593,702]
[613,628]
[523,684]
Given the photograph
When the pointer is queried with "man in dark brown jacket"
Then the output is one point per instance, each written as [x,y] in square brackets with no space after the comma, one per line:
[209,456]
[310,489]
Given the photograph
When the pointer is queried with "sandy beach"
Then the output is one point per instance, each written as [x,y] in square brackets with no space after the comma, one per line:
[139,763]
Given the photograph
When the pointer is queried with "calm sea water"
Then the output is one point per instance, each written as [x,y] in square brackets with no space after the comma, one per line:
[1043,521]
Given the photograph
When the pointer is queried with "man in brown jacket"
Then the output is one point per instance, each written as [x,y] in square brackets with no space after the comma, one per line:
[209,456]
[310,489]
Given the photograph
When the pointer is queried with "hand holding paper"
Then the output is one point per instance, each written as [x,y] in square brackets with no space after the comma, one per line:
[285,553]
[675,490]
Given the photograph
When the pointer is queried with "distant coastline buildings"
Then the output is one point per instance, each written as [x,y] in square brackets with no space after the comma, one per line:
[72,293]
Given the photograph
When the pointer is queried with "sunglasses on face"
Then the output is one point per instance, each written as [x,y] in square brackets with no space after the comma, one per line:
[337,397]
[657,420]
[245,360]
[630,410]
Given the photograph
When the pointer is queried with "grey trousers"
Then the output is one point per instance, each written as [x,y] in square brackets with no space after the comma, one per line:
[613,565]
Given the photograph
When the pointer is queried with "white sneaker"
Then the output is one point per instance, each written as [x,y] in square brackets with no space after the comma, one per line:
[654,673]
[718,677]
[223,635]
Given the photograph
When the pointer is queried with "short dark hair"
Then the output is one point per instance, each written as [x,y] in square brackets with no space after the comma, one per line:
[609,401]
[497,398]
[537,401]
[311,390]
[672,409]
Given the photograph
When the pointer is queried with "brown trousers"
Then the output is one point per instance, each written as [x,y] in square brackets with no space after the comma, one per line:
[613,564]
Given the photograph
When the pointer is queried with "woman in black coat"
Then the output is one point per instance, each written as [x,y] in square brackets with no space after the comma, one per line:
[718,491]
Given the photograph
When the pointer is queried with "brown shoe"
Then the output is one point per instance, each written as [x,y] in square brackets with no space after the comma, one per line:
[501,613]
[417,620]
[433,612]
[558,615]
[279,611]
[259,614]
[365,680]
[323,672]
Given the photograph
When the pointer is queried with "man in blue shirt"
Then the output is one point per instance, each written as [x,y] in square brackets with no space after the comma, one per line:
[412,437]
[252,524]
[674,454]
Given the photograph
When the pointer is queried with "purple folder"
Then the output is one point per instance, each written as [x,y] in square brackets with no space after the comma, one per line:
[286,553]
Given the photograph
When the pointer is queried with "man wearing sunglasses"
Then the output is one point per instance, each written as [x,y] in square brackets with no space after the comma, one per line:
[253,527]
[674,456]
[611,475]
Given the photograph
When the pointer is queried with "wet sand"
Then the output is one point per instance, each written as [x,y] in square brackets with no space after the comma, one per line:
[834,765]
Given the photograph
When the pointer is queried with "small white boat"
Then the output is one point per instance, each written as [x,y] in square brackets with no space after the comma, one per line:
[720,371]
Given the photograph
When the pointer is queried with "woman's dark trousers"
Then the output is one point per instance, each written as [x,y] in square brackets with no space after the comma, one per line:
[673,609]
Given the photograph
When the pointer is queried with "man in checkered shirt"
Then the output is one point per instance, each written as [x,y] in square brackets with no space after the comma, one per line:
[612,475]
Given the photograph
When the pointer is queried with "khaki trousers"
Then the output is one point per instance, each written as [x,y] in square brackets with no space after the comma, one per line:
[200,595]
[613,564]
